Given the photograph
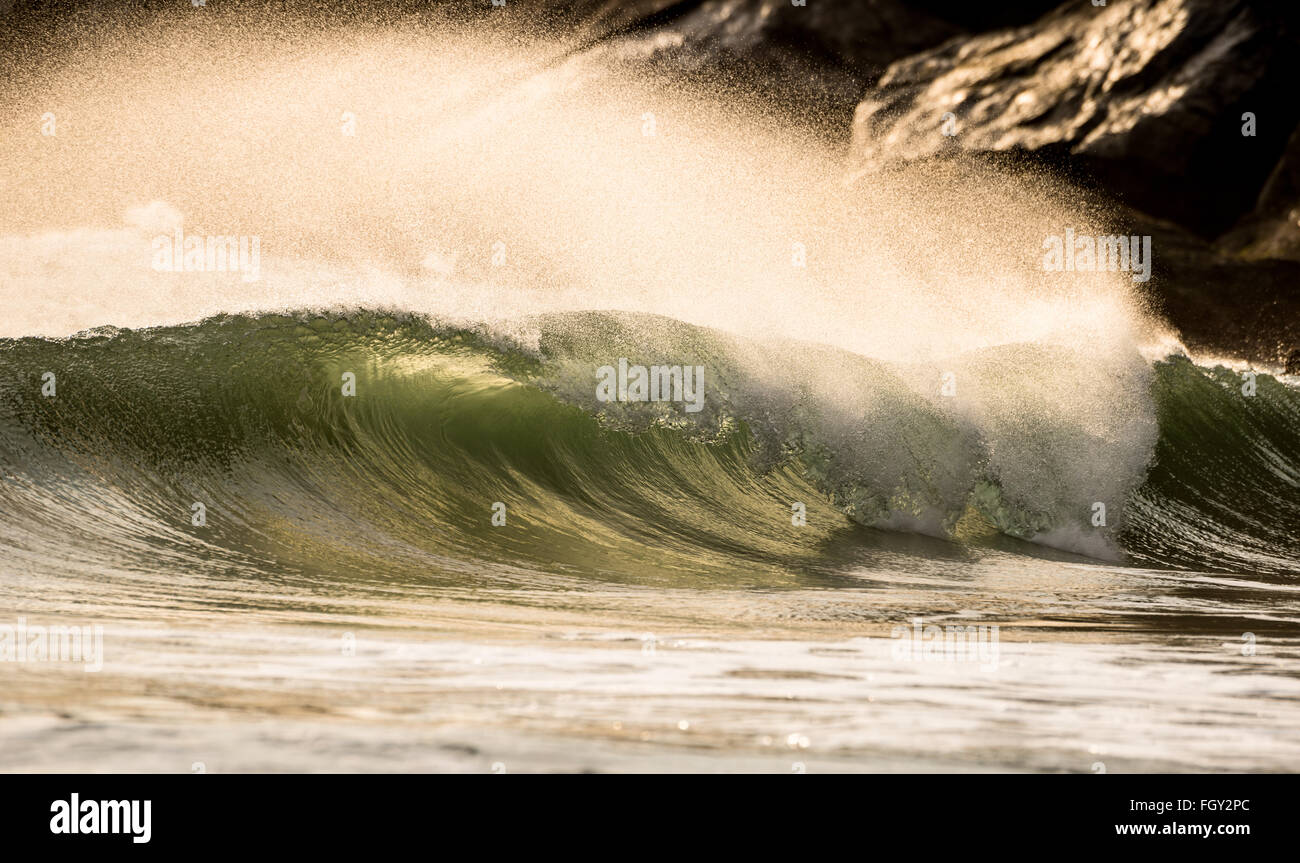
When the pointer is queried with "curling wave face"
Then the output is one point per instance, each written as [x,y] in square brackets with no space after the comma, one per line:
[486,225]
[248,416]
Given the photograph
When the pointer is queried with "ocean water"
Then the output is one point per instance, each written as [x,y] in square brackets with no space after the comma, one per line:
[359,504]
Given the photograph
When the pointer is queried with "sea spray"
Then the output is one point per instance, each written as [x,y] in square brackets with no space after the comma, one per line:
[901,340]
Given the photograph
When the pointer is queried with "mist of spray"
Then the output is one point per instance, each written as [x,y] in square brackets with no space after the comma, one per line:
[479,179]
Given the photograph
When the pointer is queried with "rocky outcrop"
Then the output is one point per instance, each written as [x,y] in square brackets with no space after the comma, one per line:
[812,60]
[1225,306]
[1145,97]
[1272,229]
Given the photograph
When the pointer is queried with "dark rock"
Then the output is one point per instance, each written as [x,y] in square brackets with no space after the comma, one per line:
[978,17]
[581,22]
[1221,305]
[812,60]
[1243,309]
[1272,230]
[1144,96]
